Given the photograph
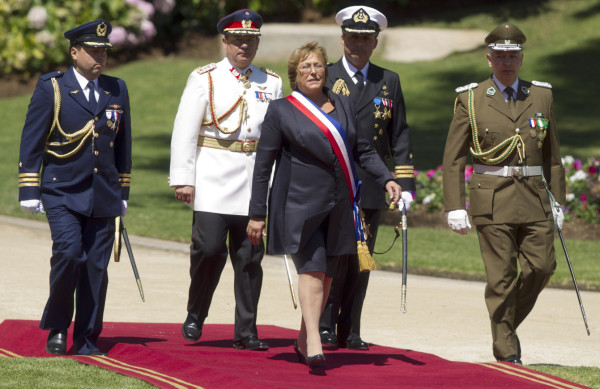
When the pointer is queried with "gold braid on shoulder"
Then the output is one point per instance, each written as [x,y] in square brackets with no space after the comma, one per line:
[340,87]
[508,144]
[78,136]
[215,120]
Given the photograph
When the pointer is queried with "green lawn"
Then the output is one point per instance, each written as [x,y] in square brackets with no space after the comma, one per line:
[563,48]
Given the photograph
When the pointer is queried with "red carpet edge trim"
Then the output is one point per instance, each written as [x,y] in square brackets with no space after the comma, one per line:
[528,375]
[179,384]
[8,354]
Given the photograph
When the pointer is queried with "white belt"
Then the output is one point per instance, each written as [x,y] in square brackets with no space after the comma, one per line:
[508,171]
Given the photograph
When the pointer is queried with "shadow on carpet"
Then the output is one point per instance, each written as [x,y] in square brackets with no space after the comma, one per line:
[158,354]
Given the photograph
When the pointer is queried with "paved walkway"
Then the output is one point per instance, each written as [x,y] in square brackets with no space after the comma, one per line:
[445,317]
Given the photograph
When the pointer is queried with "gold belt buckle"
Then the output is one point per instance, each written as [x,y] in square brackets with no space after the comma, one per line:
[247,147]
[517,172]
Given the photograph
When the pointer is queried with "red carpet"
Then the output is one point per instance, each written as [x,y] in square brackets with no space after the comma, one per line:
[158,354]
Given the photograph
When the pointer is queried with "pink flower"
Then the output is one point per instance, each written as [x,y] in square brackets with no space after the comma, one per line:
[430,173]
[118,36]
[577,165]
[583,197]
[148,30]
[592,169]
[37,17]
[164,6]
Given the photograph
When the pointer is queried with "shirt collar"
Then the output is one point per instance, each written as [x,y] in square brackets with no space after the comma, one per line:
[351,69]
[501,86]
[83,82]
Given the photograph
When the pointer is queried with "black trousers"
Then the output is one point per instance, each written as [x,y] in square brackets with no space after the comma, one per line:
[208,255]
[347,295]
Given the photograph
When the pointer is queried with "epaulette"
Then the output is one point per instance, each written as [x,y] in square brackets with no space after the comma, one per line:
[270,72]
[50,75]
[466,87]
[542,84]
[206,68]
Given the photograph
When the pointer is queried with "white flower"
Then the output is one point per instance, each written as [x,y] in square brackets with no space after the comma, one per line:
[46,38]
[429,198]
[37,17]
[568,160]
[570,197]
[578,176]
[164,6]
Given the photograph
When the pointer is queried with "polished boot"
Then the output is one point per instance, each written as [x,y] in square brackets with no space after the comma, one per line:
[191,329]
[57,342]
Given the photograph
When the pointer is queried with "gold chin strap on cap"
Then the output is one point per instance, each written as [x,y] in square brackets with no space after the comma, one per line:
[509,144]
[78,136]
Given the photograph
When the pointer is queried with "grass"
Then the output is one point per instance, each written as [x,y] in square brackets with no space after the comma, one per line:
[563,49]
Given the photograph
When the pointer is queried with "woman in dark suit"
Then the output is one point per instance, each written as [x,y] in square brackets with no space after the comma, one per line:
[311,135]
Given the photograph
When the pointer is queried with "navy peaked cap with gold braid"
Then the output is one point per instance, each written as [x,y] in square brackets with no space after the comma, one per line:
[361,20]
[91,34]
[242,22]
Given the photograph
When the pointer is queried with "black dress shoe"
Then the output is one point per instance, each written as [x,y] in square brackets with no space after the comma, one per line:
[356,344]
[57,342]
[250,343]
[328,338]
[316,361]
[512,359]
[191,329]
[96,353]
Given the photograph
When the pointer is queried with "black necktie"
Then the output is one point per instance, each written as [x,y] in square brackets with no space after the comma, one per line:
[509,91]
[360,80]
[92,96]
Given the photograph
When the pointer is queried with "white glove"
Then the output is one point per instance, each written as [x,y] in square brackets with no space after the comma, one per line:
[559,216]
[458,220]
[123,207]
[32,206]
[405,201]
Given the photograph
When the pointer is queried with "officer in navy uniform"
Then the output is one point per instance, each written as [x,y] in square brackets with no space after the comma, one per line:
[213,149]
[507,125]
[78,130]
[381,115]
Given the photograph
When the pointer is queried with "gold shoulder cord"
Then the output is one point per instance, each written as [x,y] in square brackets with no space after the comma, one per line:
[215,120]
[508,143]
[340,87]
[80,135]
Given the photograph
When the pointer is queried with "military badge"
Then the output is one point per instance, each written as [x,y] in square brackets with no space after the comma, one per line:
[263,97]
[491,91]
[538,125]
[113,117]
[525,90]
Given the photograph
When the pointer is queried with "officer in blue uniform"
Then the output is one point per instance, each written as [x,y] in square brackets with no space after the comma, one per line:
[78,131]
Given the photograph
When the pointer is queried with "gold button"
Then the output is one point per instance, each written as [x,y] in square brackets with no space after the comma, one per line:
[249,129]
[53,178]
[112,144]
[376,125]
[96,152]
[381,131]
[96,118]
[375,138]
[96,135]
[95,170]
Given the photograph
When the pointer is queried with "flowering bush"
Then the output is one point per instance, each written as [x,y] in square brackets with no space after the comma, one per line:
[31,31]
[583,189]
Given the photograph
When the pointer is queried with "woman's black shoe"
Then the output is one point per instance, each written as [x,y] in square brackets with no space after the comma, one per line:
[301,357]
[316,361]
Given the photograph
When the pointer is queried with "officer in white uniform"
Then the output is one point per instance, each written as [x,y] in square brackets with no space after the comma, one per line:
[213,147]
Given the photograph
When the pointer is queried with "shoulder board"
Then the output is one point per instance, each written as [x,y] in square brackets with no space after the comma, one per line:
[466,87]
[48,76]
[542,84]
[269,72]
[206,68]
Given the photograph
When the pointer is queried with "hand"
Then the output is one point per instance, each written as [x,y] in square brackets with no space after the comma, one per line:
[394,191]
[558,215]
[123,207]
[185,194]
[256,230]
[32,206]
[407,200]
[458,220]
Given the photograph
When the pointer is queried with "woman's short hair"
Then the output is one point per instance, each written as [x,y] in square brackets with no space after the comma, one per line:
[299,55]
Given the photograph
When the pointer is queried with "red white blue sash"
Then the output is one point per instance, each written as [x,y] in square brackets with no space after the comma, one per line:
[339,142]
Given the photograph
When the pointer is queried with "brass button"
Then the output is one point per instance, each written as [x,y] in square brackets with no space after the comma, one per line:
[381,131]
[95,170]
[249,129]
[53,178]
[96,135]
[96,152]
[96,118]
[112,144]
[375,138]
[479,185]
[376,125]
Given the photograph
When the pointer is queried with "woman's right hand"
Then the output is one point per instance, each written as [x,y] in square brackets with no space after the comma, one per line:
[256,230]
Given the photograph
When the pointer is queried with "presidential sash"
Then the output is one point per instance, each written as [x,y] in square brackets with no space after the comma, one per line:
[339,142]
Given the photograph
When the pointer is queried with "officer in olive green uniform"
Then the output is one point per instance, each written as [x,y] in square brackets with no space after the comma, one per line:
[507,125]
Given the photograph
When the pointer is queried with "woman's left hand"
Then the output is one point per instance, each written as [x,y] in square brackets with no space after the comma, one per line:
[256,230]
[394,191]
